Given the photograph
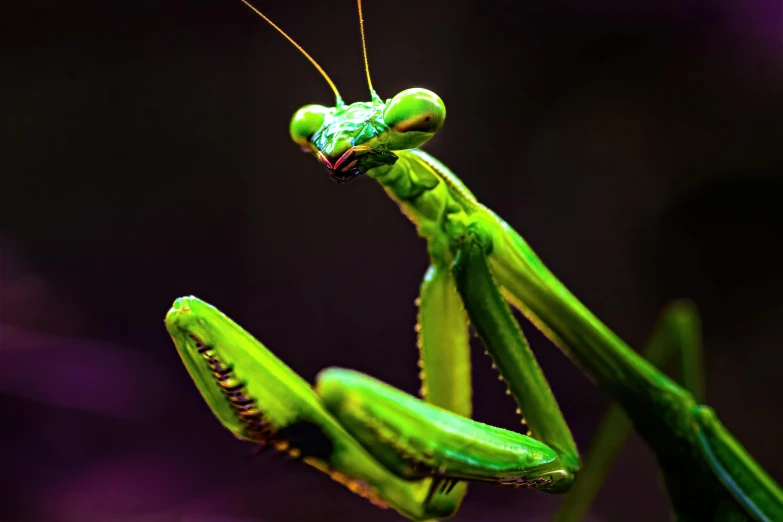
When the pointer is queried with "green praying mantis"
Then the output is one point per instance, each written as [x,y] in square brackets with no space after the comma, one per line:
[417,456]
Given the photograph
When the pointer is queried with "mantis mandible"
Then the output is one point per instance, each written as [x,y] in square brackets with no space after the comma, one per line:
[416,456]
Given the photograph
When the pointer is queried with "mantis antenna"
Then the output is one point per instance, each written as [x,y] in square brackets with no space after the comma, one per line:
[374,94]
[340,101]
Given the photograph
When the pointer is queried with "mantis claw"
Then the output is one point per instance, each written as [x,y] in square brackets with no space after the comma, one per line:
[438,481]
[451,486]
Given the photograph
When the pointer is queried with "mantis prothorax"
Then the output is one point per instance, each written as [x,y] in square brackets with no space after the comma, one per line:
[417,456]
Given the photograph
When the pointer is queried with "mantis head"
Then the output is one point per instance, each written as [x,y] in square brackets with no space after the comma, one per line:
[351,139]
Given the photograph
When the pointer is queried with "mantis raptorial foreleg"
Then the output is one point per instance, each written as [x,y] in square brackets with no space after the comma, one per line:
[260,399]
[381,443]
[510,351]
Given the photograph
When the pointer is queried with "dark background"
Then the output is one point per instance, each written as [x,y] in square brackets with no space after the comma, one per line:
[145,155]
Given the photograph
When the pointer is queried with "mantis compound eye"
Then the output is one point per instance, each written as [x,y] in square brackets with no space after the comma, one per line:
[306,122]
[415,110]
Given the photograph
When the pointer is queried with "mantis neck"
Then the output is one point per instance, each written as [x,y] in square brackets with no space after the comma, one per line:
[432,197]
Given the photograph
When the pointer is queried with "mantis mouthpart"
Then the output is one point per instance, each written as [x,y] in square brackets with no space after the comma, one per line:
[416,456]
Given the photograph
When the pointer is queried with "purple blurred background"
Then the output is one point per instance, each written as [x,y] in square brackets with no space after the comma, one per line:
[146,156]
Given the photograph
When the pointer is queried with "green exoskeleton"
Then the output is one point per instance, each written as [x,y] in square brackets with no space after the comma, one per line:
[416,456]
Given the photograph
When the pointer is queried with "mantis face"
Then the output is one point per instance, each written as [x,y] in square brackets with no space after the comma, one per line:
[351,139]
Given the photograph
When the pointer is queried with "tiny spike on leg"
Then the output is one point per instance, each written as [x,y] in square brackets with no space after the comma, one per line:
[518,410]
[437,483]
[420,346]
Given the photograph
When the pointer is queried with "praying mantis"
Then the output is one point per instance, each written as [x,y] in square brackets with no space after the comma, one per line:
[417,456]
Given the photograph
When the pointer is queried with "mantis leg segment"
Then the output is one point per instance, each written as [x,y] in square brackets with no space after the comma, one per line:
[260,399]
[505,342]
[677,330]
[415,439]
[444,343]
[749,484]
